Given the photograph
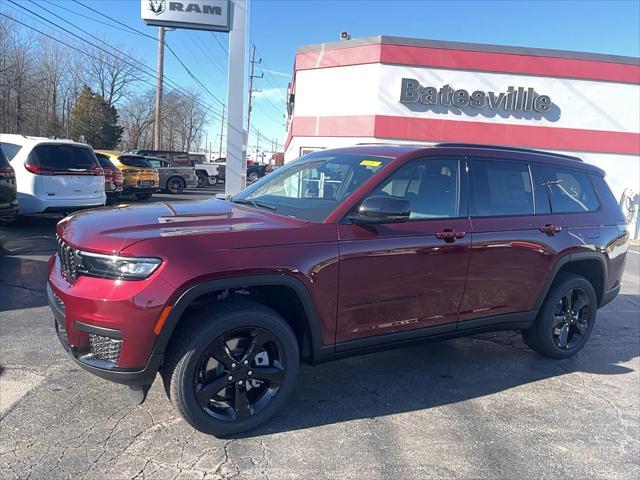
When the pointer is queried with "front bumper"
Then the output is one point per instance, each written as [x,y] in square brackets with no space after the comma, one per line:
[107,328]
[85,359]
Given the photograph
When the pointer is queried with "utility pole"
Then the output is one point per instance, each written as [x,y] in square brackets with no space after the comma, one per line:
[221,132]
[157,127]
[251,89]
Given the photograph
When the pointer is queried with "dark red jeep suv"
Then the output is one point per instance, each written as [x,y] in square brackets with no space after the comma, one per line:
[340,252]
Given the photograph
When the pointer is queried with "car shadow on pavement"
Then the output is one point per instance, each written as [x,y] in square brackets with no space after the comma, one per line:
[435,374]
[25,246]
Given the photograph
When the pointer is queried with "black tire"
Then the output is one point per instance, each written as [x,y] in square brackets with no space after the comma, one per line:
[193,349]
[556,333]
[143,196]
[202,179]
[112,199]
[212,181]
[253,176]
[176,185]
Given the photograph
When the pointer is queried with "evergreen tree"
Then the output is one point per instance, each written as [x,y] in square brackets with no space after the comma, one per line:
[93,118]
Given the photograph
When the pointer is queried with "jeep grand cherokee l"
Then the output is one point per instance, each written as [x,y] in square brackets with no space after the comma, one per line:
[339,252]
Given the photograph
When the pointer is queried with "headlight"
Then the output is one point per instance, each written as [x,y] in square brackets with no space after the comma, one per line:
[113,266]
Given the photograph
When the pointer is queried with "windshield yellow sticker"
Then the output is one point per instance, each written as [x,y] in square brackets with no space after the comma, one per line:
[370,163]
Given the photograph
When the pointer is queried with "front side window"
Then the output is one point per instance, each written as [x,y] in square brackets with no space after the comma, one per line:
[499,188]
[431,187]
[313,186]
[570,191]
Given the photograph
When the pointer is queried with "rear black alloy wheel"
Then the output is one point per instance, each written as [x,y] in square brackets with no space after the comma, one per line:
[176,185]
[239,374]
[571,319]
[202,180]
[566,318]
[230,366]
[212,181]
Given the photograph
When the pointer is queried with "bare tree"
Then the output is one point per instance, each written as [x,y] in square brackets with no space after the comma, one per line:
[112,75]
[136,116]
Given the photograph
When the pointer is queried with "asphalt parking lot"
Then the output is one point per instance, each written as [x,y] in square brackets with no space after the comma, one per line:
[484,406]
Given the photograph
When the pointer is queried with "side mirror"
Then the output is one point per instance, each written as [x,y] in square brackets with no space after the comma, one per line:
[382,209]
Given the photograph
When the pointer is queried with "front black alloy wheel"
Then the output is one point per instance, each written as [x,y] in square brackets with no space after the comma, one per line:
[239,374]
[566,319]
[230,366]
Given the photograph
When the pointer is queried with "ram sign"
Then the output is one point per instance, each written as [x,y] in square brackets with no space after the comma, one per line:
[194,14]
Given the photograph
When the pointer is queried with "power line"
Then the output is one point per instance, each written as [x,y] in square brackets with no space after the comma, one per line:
[194,78]
[83,52]
[224,49]
[57,5]
[138,63]
[116,21]
[206,52]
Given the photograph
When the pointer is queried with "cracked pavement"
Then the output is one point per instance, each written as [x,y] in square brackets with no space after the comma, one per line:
[484,406]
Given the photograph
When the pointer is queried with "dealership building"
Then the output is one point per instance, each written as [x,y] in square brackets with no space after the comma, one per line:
[401,90]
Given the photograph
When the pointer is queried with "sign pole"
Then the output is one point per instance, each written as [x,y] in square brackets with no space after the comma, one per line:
[236,170]
[157,125]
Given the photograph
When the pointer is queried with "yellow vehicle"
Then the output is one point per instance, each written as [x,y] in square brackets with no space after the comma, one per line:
[139,177]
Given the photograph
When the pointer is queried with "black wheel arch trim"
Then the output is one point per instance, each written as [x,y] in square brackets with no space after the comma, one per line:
[570,258]
[195,291]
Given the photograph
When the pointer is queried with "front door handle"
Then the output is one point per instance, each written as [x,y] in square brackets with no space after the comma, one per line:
[449,235]
[550,229]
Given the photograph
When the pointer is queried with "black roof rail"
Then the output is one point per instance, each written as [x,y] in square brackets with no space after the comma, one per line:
[510,149]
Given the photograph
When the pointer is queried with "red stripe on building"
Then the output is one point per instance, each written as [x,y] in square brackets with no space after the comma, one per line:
[470,60]
[434,130]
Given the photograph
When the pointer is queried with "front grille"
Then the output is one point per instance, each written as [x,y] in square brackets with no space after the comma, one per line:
[105,348]
[68,259]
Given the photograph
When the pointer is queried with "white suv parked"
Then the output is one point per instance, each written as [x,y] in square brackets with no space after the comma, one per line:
[53,175]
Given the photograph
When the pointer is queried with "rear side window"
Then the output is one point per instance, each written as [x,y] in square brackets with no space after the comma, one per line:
[62,157]
[10,150]
[104,161]
[570,191]
[499,188]
[130,161]
[3,159]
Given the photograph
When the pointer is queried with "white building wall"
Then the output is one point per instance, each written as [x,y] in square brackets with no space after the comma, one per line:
[374,89]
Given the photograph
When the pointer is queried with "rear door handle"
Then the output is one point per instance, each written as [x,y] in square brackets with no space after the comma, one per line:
[550,229]
[449,235]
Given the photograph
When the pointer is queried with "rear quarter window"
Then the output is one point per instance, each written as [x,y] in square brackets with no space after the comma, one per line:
[10,150]
[62,157]
[570,191]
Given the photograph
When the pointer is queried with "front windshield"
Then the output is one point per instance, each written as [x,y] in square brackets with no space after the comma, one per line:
[313,186]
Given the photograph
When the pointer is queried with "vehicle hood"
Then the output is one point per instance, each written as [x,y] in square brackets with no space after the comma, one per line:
[114,229]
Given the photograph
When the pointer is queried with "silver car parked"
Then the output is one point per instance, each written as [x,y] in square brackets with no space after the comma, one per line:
[174,178]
